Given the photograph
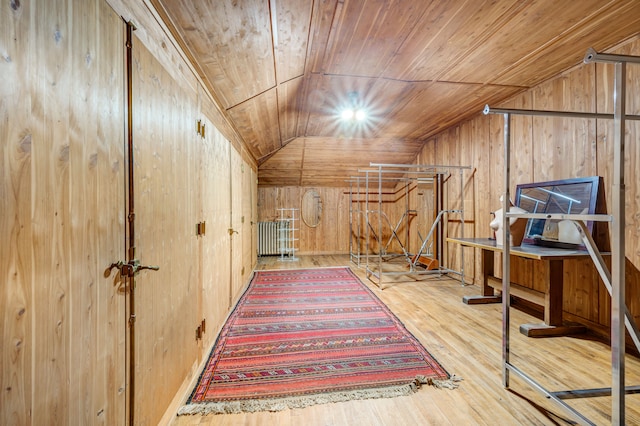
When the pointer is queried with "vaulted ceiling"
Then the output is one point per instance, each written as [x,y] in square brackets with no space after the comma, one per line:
[282,70]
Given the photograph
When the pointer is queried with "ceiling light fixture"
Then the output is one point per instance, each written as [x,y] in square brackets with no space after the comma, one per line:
[347,114]
[351,114]
[354,111]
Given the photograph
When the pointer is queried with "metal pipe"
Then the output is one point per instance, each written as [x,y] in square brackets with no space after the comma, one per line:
[506,264]
[414,166]
[380,226]
[618,249]
[131,219]
[462,225]
[605,275]
[351,230]
[430,173]
[592,393]
[593,56]
[564,216]
[563,114]
[579,418]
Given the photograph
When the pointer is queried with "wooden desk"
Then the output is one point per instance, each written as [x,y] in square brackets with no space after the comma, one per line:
[551,299]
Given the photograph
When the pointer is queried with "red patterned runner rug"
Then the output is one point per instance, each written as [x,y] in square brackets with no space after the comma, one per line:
[309,336]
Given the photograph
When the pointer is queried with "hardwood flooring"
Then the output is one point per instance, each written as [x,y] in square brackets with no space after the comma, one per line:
[467,341]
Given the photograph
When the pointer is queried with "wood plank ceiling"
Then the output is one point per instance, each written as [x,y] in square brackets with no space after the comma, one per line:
[283,70]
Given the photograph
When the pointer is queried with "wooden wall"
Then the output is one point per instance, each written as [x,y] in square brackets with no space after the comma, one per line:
[543,149]
[64,316]
[62,213]
[548,149]
[332,233]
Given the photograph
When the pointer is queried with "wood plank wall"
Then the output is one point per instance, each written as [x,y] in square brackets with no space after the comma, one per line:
[63,214]
[167,149]
[543,149]
[548,149]
[332,233]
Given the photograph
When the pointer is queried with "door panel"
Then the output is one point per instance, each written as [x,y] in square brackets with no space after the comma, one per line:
[237,235]
[166,192]
[62,328]
[216,244]
[248,248]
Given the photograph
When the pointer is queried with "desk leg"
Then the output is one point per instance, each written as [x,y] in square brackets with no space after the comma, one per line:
[488,295]
[553,294]
[553,324]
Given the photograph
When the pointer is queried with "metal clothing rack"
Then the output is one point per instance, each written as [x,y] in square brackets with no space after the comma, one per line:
[287,237]
[359,213]
[374,216]
[614,280]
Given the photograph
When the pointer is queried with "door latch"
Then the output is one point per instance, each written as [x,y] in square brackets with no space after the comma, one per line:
[131,268]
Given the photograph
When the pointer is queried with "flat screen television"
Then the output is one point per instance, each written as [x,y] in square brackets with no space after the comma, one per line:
[567,196]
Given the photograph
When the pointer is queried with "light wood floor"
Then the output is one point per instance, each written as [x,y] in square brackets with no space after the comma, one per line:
[467,341]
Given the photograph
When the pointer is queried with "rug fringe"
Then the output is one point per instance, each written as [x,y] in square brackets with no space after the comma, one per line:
[451,383]
[279,404]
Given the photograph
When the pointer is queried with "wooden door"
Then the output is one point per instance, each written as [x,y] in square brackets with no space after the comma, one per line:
[216,244]
[167,149]
[62,331]
[236,225]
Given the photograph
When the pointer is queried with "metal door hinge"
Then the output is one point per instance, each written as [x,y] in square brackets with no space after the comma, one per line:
[201,329]
[200,128]
[201,228]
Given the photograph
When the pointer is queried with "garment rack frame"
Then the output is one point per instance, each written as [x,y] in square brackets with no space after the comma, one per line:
[615,279]
[411,173]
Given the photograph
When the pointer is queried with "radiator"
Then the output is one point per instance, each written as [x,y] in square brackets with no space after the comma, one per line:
[269,237]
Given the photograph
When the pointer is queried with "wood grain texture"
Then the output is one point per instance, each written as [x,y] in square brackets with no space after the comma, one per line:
[259,112]
[291,30]
[569,92]
[110,378]
[83,202]
[155,31]
[51,214]
[467,341]
[418,67]
[233,43]
[62,214]
[289,98]
[217,244]
[551,148]
[236,228]
[17,299]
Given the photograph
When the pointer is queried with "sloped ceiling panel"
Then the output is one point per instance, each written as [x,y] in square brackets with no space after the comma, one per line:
[282,70]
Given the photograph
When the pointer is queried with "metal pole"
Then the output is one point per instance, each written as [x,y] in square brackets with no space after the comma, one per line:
[562,114]
[351,221]
[413,166]
[406,210]
[131,220]
[368,224]
[506,267]
[593,56]
[380,226]
[462,224]
[618,250]
[359,220]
